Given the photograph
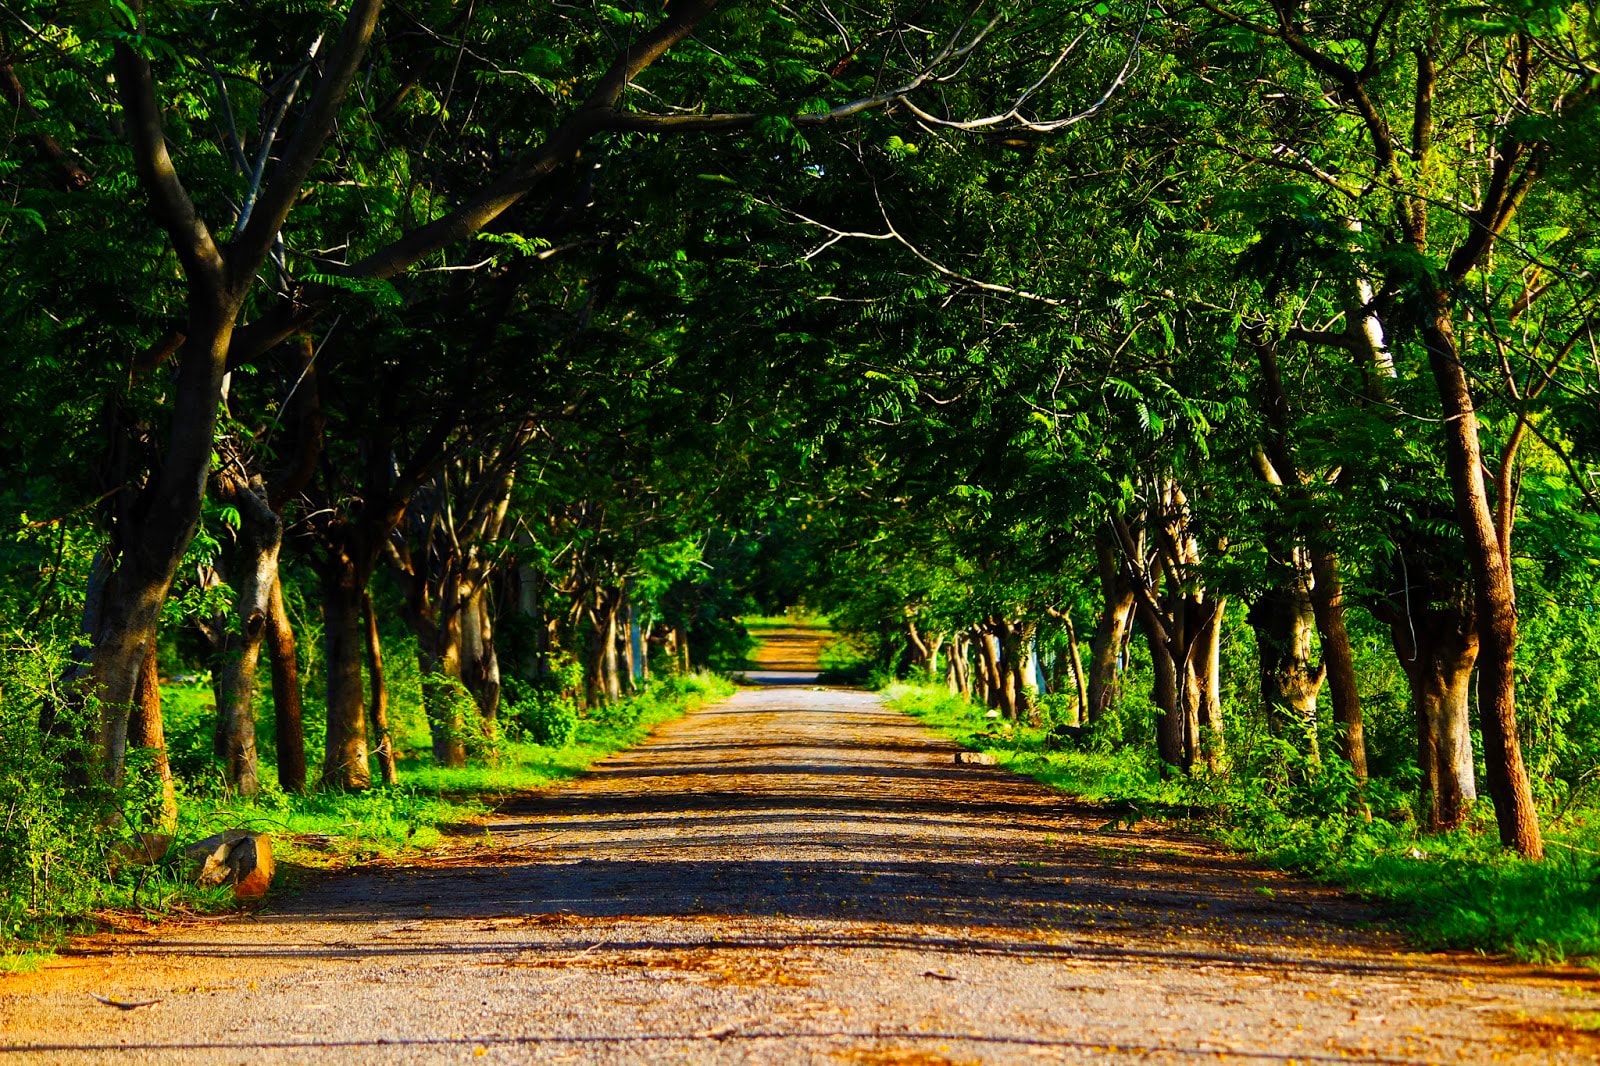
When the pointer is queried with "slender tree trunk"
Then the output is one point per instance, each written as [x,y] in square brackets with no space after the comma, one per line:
[489,696]
[1116,618]
[1327,585]
[1327,601]
[288,725]
[344,762]
[996,692]
[956,676]
[1488,552]
[681,640]
[1206,662]
[606,632]
[480,664]
[921,659]
[1164,693]
[1191,696]
[1080,705]
[627,667]
[1022,673]
[439,660]
[383,742]
[145,731]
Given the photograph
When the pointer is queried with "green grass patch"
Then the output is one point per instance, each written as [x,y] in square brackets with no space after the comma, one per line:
[317,829]
[1449,890]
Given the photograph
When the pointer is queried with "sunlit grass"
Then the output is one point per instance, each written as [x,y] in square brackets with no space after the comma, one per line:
[1448,890]
[328,828]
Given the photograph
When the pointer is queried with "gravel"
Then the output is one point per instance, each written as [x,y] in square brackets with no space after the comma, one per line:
[795,875]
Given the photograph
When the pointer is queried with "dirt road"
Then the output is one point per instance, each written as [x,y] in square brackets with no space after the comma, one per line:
[795,875]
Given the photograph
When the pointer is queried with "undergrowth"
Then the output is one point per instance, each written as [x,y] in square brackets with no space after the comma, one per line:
[62,875]
[1449,890]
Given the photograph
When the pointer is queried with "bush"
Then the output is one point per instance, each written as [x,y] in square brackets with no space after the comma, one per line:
[540,714]
[51,860]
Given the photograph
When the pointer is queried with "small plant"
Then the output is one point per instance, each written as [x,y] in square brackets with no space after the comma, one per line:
[541,714]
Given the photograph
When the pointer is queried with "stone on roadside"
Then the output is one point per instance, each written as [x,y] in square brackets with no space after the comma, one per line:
[992,714]
[237,857]
[974,758]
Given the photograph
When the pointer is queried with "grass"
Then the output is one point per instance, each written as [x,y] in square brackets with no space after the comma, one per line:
[325,829]
[1450,890]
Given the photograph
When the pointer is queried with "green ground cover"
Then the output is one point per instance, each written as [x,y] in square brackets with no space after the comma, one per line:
[1448,890]
[73,883]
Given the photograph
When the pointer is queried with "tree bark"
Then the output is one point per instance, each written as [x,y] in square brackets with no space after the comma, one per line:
[1338,662]
[1438,647]
[439,660]
[1164,693]
[957,678]
[383,742]
[145,730]
[1284,622]
[1080,689]
[251,569]
[1206,662]
[288,723]
[345,755]
[1488,552]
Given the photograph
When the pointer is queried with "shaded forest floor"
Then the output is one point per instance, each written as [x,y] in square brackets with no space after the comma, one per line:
[798,874]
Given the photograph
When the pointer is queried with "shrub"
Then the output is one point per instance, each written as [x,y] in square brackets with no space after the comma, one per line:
[540,714]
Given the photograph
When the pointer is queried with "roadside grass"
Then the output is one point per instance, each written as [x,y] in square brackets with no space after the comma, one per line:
[318,829]
[1450,890]
[846,660]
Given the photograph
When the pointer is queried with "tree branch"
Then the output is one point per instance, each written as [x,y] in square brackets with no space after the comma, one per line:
[250,248]
[202,260]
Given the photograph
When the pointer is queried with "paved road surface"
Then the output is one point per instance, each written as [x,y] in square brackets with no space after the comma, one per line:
[795,875]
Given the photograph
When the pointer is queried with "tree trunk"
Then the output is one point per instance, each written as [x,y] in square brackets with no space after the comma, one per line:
[251,569]
[1206,662]
[1080,691]
[288,725]
[996,692]
[439,660]
[480,665]
[145,731]
[627,630]
[383,742]
[1116,618]
[344,762]
[1327,601]
[1437,649]
[1022,672]
[680,637]
[1164,693]
[1284,623]
[1488,552]
[152,547]
[921,661]
[957,678]
[606,630]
